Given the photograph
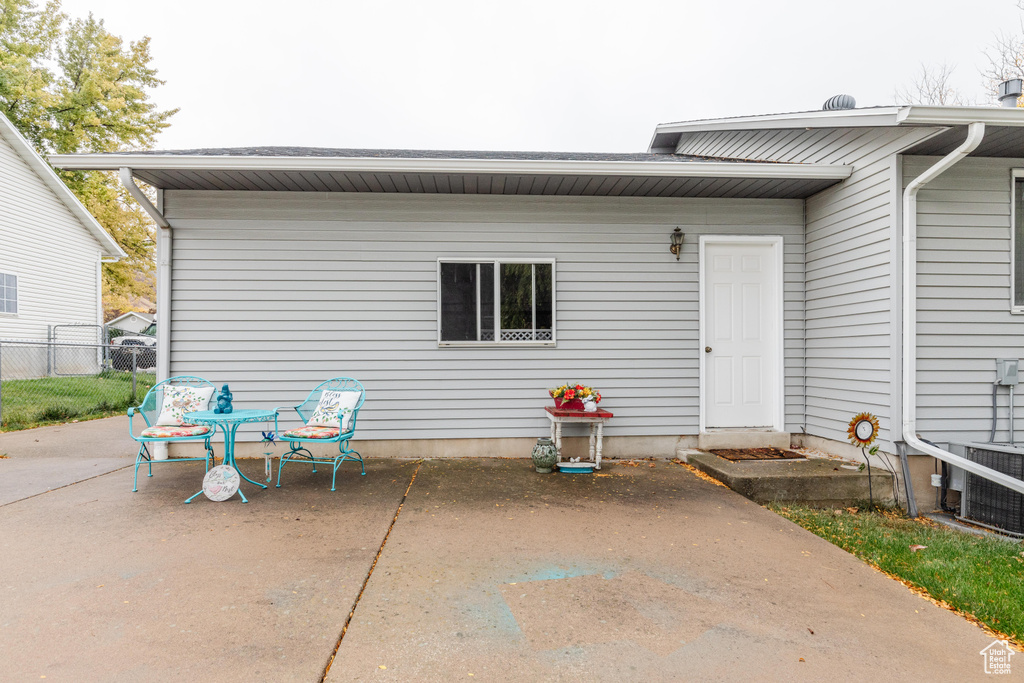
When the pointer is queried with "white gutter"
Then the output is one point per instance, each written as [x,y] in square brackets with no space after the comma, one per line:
[959,116]
[668,169]
[836,118]
[975,133]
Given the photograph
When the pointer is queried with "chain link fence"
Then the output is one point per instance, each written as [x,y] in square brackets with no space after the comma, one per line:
[78,372]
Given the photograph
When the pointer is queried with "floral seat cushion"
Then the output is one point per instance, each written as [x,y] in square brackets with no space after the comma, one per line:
[312,432]
[174,431]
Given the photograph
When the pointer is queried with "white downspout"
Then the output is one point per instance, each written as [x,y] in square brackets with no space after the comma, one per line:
[163,274]
[163,288]
[975,133]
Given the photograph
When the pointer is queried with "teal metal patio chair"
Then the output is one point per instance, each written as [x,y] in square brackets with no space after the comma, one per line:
[153,408]
[342,397]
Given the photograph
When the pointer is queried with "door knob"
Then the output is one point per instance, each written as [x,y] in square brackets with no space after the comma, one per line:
[707,349]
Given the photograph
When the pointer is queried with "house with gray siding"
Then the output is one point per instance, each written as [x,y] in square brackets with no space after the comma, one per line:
[833,262]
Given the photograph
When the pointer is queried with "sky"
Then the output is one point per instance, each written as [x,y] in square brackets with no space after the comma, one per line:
[559,75]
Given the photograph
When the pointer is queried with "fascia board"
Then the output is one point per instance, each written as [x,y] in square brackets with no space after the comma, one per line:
[853,118]
[683,169]
[843,118]
[960,116]
[111,250]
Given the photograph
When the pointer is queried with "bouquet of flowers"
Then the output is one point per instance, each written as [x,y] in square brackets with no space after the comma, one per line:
[574,395]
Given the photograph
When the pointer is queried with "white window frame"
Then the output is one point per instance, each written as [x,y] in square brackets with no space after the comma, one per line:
[17,300]
[497,261]
[1015,174]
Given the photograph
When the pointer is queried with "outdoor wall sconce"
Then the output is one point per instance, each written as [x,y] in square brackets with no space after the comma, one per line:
[677,242]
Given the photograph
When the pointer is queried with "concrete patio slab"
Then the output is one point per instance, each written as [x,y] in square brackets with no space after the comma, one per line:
[499,573]
[47,458]
[101,584]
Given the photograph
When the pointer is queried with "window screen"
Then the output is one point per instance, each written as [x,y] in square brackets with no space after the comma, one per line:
[496,301]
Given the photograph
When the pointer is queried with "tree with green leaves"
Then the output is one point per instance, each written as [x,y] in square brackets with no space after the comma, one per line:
[70,86]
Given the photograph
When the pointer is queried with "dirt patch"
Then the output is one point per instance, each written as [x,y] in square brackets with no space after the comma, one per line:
[735,454]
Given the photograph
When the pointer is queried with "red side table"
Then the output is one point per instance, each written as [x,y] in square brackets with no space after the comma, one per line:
[596,420]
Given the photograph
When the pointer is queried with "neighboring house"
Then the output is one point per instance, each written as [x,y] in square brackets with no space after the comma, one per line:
[459,286]
[50,247]
[132,321]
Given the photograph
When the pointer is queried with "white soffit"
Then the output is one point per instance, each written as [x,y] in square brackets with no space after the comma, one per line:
[468,176]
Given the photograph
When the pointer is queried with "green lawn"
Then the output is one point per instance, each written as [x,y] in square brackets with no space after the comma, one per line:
[981,576]
[29,403]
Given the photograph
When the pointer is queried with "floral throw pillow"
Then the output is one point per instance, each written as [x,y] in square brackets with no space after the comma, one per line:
[334,410]
[181,400]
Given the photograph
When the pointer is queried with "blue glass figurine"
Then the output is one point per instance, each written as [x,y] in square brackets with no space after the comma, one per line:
[223,401]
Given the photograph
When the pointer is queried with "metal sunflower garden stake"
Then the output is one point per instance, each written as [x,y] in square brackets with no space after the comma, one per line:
[863,431]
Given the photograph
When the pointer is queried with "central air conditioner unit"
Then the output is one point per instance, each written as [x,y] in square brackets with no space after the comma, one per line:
[984,502]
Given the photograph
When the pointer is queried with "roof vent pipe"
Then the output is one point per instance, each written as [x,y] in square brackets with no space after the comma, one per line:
[1009,91]
[837,102]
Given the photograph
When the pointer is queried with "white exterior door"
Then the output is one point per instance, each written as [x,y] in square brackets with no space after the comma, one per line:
[741,332]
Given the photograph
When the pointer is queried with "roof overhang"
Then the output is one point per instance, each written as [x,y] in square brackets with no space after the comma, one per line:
[109,247]
[667,135]
[467,176]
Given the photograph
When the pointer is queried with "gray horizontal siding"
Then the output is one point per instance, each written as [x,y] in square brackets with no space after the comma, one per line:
[851,247]
[273,292]
[964,321]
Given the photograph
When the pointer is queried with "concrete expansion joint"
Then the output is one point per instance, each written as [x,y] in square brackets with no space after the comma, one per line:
[58,488]
[373,565]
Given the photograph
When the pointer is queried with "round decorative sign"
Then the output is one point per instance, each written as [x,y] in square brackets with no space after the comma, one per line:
[220,483]
[863,430]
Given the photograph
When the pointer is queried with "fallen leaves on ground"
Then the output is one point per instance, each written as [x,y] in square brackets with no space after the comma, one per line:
[917,590]
[636,462]
[914,548]
[697,473]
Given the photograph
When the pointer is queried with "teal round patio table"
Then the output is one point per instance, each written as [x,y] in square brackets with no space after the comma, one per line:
[229,424]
